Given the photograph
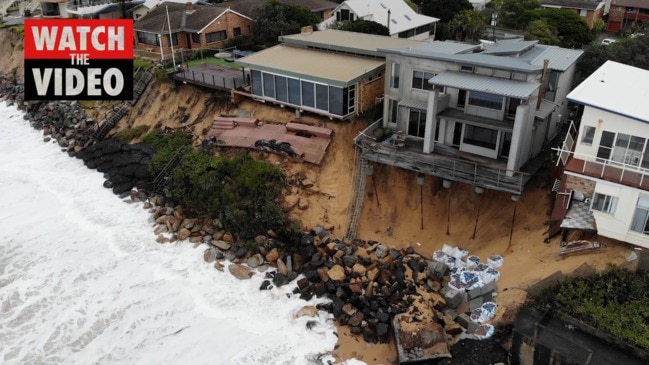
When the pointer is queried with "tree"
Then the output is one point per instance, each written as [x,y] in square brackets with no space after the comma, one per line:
[362,26]
[467,26]
[630,51]
[445,10]
[275,19]
[543,32]
[572,30]
[511,12]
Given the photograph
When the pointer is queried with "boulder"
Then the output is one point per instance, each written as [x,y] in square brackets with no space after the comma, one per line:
[323,273]
[209,255]
[358,269]
[255,260]
[281,267]
[228,237]
[272,255]
[307,311]
[337,273]
[218,265]
[222,245]
[290,201]
[183,233]
[240,272]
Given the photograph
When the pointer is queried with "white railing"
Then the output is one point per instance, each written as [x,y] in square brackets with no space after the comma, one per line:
[568,144]
[594,165]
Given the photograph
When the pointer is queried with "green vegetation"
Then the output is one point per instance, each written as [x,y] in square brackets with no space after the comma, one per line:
[127,135]
[616,302]
[445,10]
[362,26]
[631,51]
[214,61]
[572,31]
[241,191]
[88,104]
[138,62]
[274,19]
[20,29]
[467,26]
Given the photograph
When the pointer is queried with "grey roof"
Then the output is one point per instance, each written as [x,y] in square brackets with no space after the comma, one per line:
[352,42]
[509,47]
[246,7]
[642,4]
[180,19]
[560,58]
[414,104]
[449,47]
[546,108]
[574,4]
[487,84]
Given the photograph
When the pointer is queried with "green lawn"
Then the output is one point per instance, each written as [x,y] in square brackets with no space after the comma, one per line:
[214,61]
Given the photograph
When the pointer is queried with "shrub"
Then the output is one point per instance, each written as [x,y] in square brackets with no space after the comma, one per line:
[166,146]
[127,135]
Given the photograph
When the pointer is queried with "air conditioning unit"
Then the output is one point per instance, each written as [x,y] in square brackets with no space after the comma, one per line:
[379,99]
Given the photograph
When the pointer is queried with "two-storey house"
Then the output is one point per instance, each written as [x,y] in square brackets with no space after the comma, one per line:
[607,162]
[471,115]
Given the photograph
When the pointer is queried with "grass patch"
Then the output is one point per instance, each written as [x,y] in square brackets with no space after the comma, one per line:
[214,61]
[137,63]
[20,29]
[127,135]
[88,104]
[615,301]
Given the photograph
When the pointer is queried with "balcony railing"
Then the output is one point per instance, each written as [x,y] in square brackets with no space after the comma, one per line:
[440,165]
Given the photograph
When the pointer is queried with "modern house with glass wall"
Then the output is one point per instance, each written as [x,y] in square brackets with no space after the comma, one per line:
[472,114]
[606,165]
[332,73]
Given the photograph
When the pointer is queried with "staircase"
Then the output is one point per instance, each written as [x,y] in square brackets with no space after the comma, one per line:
[162,180]
[359,196]
[142,83]
[110,123]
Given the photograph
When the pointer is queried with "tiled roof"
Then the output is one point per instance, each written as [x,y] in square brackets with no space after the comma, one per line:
[180,19]
[574,4]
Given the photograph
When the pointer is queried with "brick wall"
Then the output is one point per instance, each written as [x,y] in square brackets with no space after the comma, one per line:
[368,89]
[580,184]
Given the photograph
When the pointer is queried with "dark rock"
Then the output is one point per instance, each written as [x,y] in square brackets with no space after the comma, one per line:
[349,261]
[382,332]
[108,184]
[265,285]
[368,335]
[240,252]
[356,330]
[306,295]
[280,279]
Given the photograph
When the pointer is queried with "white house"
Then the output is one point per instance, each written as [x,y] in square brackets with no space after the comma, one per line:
[610,162]
[479,4]
[472,115]
[396,15]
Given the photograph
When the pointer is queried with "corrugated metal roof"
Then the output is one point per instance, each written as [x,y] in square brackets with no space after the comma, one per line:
[546,108]
[616,88]
[415,104]
[560,58]
[330,68]
[358,43]
[511,47]
[487,84]
[446,47]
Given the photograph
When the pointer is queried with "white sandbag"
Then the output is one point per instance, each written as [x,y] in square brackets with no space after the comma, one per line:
[495,261]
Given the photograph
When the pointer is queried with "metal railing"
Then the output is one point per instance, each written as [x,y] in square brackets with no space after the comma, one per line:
[209,79]
[440,165]
[568,144]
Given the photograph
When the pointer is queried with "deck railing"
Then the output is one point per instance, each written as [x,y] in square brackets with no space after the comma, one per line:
[443,166]
[209,79]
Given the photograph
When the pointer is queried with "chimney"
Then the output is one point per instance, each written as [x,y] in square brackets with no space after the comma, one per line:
[389,12]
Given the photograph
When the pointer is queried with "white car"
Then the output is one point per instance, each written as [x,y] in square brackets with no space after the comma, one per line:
[607,41]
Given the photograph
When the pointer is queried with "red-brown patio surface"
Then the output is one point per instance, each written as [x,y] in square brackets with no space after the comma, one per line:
[609,173]
[310,146]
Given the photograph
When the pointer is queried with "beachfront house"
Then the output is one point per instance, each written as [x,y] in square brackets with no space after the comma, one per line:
[84,9]
[605,183]
[331,73]
[588,10]
[472,115]
[188,26]
[627,15]
[396,15]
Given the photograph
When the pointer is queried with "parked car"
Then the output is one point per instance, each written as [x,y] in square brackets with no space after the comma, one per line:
[607,41]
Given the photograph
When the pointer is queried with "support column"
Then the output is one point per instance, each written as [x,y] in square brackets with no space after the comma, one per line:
[515,150]
[431,122]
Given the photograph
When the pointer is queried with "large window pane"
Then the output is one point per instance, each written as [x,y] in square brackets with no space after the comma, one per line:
[281,88]
[269,85]
[308,97]
[479,136]
[336,100]
[322,97]
[588,136]
[604,203]
[294,91]
[394,75]
[640,218]
[256,82]
[417,123]
[486,100]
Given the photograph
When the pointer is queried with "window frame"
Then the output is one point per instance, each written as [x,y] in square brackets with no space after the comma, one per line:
[483,100]
[219,33]
[604,203]
[588,136]
[395,70]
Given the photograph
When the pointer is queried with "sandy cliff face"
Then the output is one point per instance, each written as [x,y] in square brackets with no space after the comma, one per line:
[11,53]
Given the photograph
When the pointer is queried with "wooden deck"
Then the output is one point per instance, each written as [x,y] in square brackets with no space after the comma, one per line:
[630,177]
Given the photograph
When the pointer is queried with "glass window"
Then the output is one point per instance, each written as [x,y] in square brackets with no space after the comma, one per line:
[394,76]
[605,145]
[486,100]
[417,123]
[294,91]
[196,38]
[479,136]
[336,100]
[308,95]
[236,31]
[604,203]
[461,98]
[256,82]
[148,38]
[269,85]
[322,97]
[513,106]
[420,80]
[351,98]
[215,36]
[640,221]
[588,135]
[393,108]
[281,88]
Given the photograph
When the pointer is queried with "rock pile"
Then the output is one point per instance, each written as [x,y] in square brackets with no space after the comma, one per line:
[124,165]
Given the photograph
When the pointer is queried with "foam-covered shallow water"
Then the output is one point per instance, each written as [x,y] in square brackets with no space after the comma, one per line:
[82,280]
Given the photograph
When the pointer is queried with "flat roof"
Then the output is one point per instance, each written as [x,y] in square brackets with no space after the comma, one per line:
[331,68]
[487,84]
[617,88]
[339,40]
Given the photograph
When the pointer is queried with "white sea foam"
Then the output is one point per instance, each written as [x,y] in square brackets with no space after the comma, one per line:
[82,280]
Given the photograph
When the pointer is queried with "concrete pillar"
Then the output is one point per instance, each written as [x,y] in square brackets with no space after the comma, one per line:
[515,150]
[431,122]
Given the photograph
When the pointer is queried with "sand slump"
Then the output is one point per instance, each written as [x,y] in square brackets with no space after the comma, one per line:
[82,280]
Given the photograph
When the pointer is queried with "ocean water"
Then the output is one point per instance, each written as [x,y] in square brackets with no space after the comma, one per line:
[82,280]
